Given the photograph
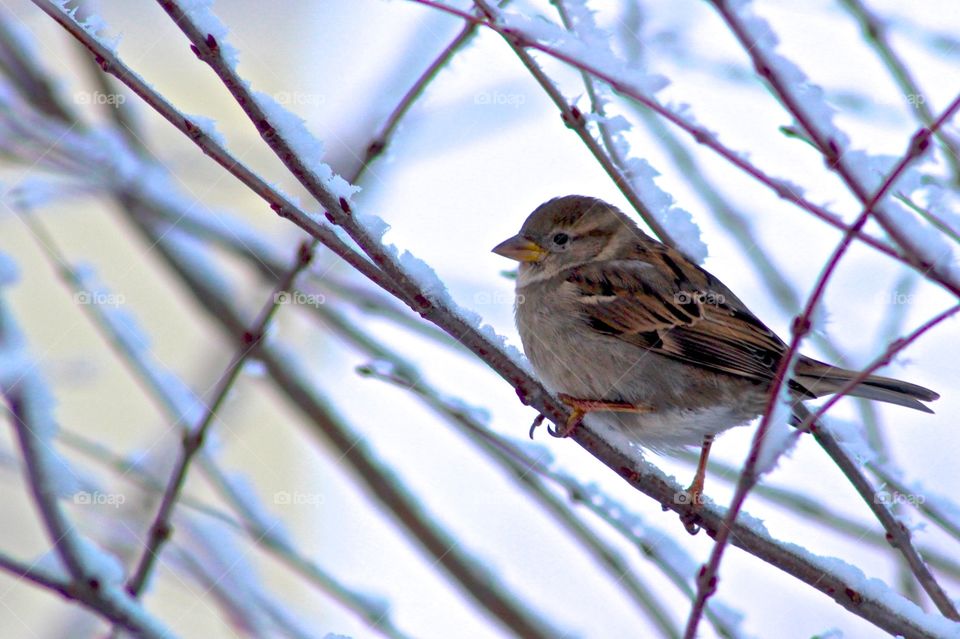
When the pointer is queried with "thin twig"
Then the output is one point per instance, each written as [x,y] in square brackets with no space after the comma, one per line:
[280,204]
[31,572]
[771,276]
[573,118]
[23,70]
[376,617]
[250,341]
[945,521]
[382,139]
[596,106]
[875,32]
[706,583]
[291,378]
[810,508]
[803,567]
[451,559]
[699,134]
[528,470]
[833,154]
[24,396]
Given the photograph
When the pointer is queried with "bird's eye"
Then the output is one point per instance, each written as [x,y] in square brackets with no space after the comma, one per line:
[560,239]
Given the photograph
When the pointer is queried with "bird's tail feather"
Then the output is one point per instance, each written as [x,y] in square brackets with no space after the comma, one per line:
[823,379]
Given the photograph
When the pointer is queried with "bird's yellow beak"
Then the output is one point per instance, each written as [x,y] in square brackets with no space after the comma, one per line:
[520,249]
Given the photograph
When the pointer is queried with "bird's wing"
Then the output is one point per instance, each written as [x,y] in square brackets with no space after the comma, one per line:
[678,310]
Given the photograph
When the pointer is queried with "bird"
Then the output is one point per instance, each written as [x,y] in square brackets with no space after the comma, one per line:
[628,329]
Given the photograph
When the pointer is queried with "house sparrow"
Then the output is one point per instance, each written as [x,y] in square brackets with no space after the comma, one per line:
[623,326]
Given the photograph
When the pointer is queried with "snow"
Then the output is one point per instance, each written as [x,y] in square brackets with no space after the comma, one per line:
[99,563]
[944,505]
[64,481]
[539,454]
[677,221]
[820,319]
[246,498]
[189,408]
[131,609]
[227,568]
[9,271]
[930,241]
[293,129]
[378,368]
[640,173]
[877,590]
[851,438]
[868,170]
[309,149]
[126,331]
[634,526]
[786,186]
[943,203]
[591,45]
[477,414]
[515,354]
[92,24]
[19,372]
[779,440]
[200,13]
[762,36]
[917,493]
[195,253]
[208,126]
[754,524]
[872,170]
[435,290]
[117,163]
[50,563]
[33,192]
[427,279]
[57,476]
[583,50]
[729,617]
[375,226]
[780,437]
[52,475]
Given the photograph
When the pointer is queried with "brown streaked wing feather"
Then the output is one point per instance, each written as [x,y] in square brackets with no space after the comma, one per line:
[638,303]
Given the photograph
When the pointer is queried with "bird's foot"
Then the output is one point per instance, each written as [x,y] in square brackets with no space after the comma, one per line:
[580,407]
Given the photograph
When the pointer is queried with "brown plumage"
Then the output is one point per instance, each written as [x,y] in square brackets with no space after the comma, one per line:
[608,314]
